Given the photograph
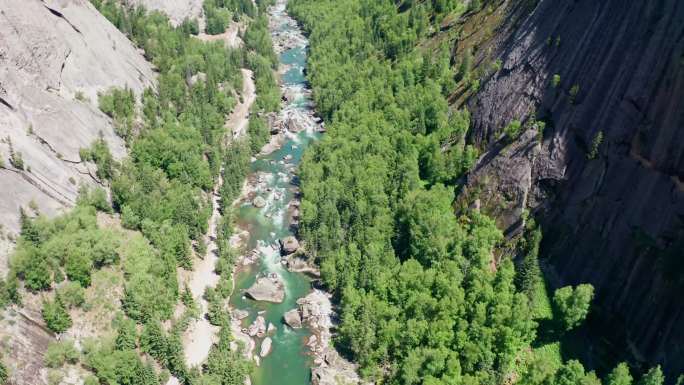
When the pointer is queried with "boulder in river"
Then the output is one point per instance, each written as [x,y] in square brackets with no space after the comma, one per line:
[259,202]
[257,328]
[240,314]
[289,245]
[269,289]
[293,319]
[294,126]
[265,346]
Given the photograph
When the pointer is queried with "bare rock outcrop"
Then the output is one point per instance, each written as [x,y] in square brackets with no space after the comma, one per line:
[176,10]
[55,56]
[293,319]
[606,178]
[266,346]
[289,245]
[268,289]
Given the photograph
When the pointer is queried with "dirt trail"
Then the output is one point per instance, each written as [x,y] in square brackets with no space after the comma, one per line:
[201,335]
[230,36]
[239,119]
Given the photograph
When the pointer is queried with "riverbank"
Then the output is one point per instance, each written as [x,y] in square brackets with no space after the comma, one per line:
[269,263]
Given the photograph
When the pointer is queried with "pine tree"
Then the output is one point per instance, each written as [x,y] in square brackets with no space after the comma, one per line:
[619,375]
[653,377]
[56,316]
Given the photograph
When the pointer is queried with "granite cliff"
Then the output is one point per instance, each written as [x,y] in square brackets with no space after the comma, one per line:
[605,175]
[55,56]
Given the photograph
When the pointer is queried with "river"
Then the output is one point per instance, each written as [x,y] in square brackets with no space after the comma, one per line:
[273,177]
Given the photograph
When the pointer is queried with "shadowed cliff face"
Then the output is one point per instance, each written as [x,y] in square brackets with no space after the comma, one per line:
[615,219]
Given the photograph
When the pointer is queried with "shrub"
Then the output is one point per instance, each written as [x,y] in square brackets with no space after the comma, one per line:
[574,90]
[259,133]
[17,160]
[190,26]
[619,375]
[126,335]
[572,304]
[60,352]
[99,153]
[595,144]
[55,315]
[119,104]
[653,377]
[513,130]
[3,374]
[555,81]
[95,197]
[217,19]
[72,294]
[54,376]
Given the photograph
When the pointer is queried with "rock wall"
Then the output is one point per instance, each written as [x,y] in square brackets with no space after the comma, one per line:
[615,219]
[55,56]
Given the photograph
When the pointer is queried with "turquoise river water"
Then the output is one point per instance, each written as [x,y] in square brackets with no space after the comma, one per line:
[289,362]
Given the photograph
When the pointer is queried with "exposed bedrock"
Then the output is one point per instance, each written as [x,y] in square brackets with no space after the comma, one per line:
[55,56]
[614,216]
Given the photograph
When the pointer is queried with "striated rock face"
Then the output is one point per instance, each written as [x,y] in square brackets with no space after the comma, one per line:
[614,219]
[176,10]
[22,333]
[53,53]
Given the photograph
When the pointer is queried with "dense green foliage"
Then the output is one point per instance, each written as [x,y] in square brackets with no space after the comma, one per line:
[3,374]
[422,302]
[262,61]
[218,13]
[70,245]
[56,316]
[225,366]
[619,376]
[573,304]
[115,366]
[119,104]
[259,133]
[100,155]
[427,297]
[176,156]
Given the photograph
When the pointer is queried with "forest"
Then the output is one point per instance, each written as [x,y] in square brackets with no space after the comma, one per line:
[429,294]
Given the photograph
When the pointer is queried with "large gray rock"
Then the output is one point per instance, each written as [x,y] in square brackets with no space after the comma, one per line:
[289,245]
[334,370]
[268,289]
[293,319]
[259,202]
[265,347]
[52,52]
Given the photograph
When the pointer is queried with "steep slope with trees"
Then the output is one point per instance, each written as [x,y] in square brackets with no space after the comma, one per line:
[599,89]
[104,279]
[391,80]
